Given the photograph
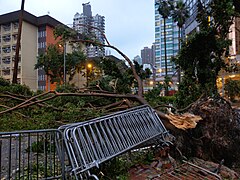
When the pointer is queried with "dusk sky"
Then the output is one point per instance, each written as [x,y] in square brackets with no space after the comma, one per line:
[129,24]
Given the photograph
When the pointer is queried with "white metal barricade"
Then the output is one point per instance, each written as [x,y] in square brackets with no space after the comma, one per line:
[93,142]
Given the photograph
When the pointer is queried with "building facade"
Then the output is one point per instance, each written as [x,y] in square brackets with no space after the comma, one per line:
[83,22]
[171,45]
[147,55]
[37,34]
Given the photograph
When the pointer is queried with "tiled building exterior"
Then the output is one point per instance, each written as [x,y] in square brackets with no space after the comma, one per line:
[37,34]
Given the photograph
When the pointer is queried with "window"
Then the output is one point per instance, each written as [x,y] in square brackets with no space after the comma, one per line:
[42,45]
[41,77]
[6,60]
[157,35]
[7,38]
[42,88]
[6,49]
[41,34]
[157,29]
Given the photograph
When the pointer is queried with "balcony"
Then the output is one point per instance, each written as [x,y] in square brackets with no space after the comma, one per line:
[6,28]
[6,60]
[6,49]
[15,27]
[14,37]
[6,39]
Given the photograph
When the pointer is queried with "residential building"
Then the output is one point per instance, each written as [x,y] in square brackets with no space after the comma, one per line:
[171,45]
[37,34]
[147,55]
[84,22]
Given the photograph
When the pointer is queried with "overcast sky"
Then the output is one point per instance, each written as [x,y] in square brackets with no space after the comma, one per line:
[129,24]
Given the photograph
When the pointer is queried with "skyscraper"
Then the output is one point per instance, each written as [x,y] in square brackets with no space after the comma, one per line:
[147,55]
[171,44]
[83,22]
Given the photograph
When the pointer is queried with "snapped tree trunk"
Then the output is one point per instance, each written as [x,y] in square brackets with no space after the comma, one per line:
[15,70]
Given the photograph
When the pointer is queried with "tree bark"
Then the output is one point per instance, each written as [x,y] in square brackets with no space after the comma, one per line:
[15,70]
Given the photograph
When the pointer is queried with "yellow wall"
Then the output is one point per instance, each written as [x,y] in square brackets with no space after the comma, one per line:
[29,55]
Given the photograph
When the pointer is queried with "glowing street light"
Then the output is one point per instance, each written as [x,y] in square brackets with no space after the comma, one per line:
[89,66]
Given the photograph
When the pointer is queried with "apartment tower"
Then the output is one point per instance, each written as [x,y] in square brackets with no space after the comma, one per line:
[84,22]
[37,34]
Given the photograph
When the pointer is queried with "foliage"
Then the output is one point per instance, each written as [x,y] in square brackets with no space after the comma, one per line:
[203,54]
[64,33]
[118,167]
[52,62]
[154,99]
[180,13]
[6,86]
[189,91]
[165,8]
[4,82]
[143,74]
[118,78]
[232,88]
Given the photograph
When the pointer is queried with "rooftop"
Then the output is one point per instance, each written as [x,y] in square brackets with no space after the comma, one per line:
[30,18]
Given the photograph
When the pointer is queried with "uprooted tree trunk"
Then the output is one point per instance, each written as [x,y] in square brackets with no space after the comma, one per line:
[217,136]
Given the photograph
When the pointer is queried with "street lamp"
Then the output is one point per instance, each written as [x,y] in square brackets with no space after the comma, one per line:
[64,63]
[89,67]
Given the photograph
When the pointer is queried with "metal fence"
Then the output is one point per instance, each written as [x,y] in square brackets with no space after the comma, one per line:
[72,150]
[88,144]
[31,154]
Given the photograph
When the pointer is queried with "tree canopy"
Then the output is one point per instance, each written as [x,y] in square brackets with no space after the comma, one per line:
[204,53]
[52,63]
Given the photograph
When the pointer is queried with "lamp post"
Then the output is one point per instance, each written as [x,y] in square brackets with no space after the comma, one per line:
[89,67]
[64,63]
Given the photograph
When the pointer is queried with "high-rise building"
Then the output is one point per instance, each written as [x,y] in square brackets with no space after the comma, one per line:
[171,45]
[37,34]
[191,25]
[83,22]
[147,55]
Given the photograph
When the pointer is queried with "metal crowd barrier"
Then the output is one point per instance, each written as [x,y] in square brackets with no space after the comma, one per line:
[72,150]
[90,143]
[31,154]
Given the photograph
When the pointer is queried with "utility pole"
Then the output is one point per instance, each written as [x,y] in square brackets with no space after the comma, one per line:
[15,70]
